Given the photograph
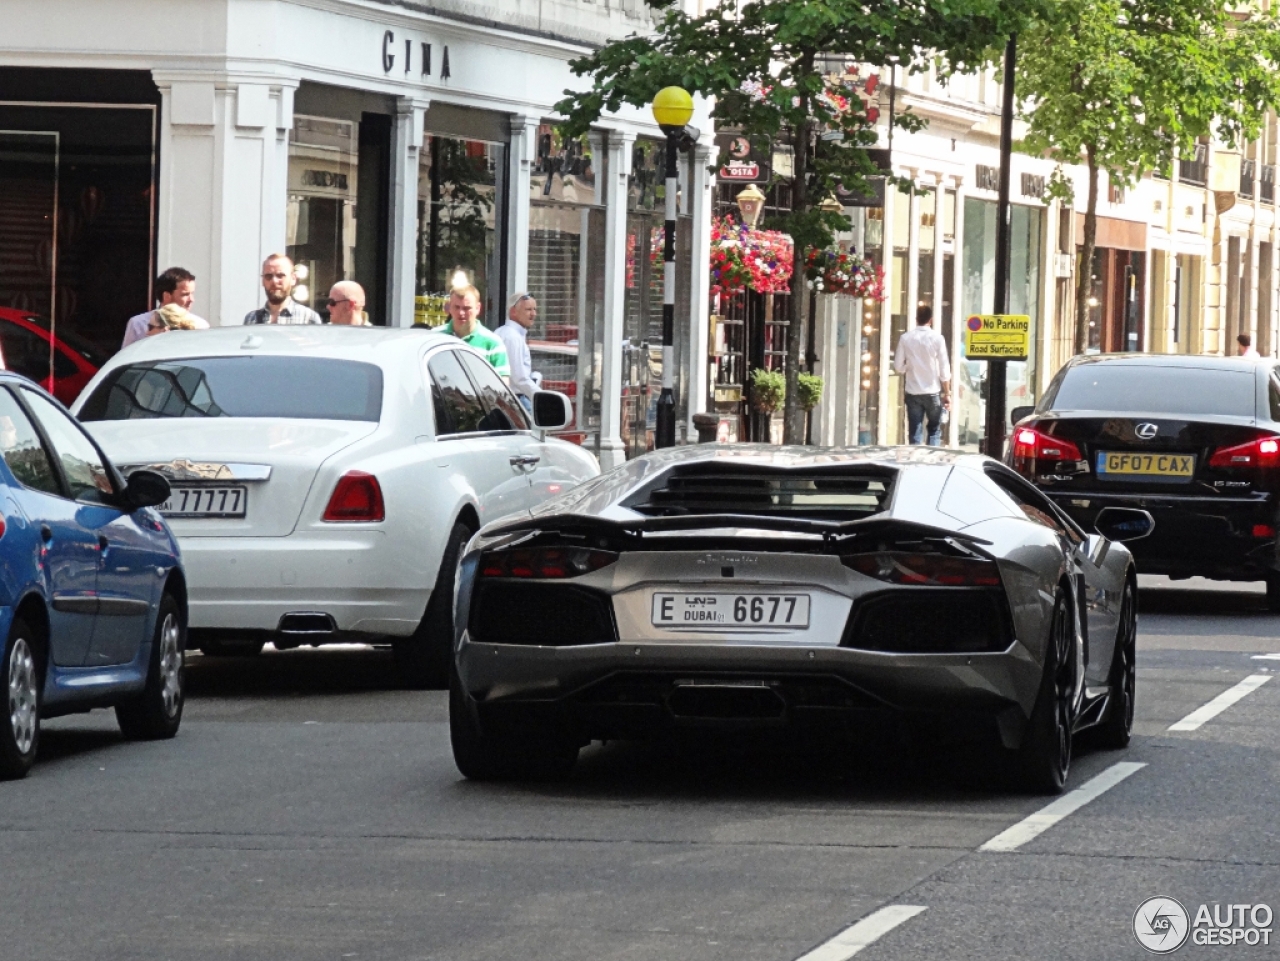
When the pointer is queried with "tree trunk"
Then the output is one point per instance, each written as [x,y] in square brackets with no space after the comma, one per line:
[793,413]
[1084,272]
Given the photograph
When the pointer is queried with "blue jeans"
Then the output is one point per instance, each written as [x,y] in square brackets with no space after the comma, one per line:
[920,407]
[525,402]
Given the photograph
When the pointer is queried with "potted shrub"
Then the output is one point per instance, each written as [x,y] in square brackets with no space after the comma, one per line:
[768,392]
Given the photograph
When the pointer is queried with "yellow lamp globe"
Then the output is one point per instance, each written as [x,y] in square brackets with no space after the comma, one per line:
[672,107]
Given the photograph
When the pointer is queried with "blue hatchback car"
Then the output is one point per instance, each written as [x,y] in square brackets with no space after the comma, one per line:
[93,602]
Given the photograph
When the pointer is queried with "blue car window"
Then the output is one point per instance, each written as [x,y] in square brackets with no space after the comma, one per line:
[22,449]
[81,461]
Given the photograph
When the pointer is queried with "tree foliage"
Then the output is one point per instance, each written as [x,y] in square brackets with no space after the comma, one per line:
[768,65]
[1125,86]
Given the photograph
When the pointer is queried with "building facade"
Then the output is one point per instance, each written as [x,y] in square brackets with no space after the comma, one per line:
[1183,265]
[385,142]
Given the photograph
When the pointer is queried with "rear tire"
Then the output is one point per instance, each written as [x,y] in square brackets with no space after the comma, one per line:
[1117,729]
[21,681]
[1273,592]
[156,714]
[535,752]
[1042,762]
[423,659]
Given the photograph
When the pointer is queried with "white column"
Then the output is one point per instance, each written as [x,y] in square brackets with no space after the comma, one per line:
[524,135]
[406,144]
[701,201]
[612,449]
[891,200]
[187,228]
[957,309]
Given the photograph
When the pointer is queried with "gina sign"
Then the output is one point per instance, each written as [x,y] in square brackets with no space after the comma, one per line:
[413,56]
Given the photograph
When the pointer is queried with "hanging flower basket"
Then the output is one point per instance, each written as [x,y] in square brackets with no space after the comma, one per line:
[746,259]
[831,270]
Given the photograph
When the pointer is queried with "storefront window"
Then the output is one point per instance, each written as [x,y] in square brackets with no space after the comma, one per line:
[320,225]
[978,295]
[77,187]
[460,194]
[566,276]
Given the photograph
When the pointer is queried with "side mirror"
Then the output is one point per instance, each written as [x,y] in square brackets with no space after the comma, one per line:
[1018,413]
[1123,523]
[145,488]
[552,410]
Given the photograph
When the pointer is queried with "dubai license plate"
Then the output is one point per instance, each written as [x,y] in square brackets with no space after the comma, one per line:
[206,502]
[1129,464]
[731,610]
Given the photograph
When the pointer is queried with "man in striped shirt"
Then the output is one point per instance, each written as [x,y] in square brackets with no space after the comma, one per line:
[464,323]
[277,282]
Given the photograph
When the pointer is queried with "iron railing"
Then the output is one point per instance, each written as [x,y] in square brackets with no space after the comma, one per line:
[1248,169]
[1195,170]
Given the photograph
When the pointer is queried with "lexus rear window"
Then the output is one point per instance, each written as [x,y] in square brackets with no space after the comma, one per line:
[1117,388]
[306,388]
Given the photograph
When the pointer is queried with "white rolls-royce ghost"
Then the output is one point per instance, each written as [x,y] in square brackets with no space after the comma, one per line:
[326,479]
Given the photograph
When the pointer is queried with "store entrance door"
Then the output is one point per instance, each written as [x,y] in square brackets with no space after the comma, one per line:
[28,248]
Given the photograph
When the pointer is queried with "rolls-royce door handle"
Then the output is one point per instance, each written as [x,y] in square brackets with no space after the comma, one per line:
[524,461]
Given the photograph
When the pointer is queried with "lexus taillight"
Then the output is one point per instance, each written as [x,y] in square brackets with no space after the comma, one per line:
[1037,445]
[358,497]
[931,570]
[1263,451]
[546,562]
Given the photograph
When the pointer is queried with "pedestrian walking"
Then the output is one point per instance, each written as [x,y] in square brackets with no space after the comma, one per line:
[922,357]
[1244,346]
[522,311]
[278,282]
[346,305]
[463,309]
[176,285]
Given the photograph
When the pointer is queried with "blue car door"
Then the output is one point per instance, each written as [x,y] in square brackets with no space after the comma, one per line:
[126,577]
[66,553]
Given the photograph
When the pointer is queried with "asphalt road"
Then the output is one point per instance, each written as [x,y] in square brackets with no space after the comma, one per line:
[308,811]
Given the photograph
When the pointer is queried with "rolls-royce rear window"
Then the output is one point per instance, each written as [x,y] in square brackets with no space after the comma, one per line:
[1121,388]
[306,388]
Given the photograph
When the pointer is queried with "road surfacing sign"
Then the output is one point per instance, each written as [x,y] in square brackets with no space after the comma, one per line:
[997,337]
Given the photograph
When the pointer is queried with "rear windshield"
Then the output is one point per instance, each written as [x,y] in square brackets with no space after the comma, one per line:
[308,388]
[1155,390]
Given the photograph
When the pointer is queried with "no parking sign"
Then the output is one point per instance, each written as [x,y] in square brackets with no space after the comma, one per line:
[997,337]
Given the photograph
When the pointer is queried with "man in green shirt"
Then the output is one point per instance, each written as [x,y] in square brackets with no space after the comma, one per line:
[464,312]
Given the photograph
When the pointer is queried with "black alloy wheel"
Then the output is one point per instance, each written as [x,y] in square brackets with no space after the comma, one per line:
[1273,591]
[533,752]
[1041,764]
[423,659]
[21,681]
[156,713]
[1116,730]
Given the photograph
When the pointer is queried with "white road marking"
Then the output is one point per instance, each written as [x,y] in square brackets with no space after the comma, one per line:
[1036,824]
[1220,703]
[856,937]
[1266,657]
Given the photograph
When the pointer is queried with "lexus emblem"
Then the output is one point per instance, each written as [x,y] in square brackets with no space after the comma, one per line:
[1146,430]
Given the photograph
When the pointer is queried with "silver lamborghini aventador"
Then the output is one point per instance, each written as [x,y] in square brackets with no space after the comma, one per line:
[755,586]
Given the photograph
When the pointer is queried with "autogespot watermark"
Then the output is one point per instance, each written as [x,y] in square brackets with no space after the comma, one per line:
[1162,925]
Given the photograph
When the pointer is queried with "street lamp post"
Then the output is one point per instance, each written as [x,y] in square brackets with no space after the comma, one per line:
[672,109]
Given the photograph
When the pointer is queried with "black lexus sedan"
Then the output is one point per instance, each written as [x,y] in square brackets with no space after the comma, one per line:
[1193,440]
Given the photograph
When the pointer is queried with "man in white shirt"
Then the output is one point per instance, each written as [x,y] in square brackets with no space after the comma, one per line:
[522,311]
[922,357]
[175,286]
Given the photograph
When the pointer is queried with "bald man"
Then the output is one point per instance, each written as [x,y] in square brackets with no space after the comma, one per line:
[277,283]
[346,304]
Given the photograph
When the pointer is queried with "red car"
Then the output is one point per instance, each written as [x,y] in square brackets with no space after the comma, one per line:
[24,344]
